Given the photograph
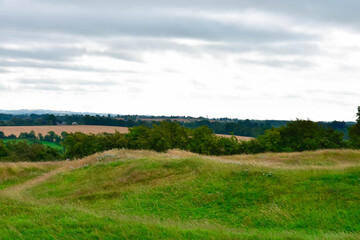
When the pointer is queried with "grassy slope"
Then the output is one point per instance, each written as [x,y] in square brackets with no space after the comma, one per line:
[179,195]
[16,173]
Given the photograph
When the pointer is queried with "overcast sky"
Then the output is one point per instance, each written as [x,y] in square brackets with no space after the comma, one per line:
[256,59]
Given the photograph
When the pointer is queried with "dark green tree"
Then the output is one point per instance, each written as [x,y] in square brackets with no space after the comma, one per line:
[354,132]
[51,119]
[3,150]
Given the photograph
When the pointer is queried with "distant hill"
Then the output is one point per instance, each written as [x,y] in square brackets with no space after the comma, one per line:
[43,111]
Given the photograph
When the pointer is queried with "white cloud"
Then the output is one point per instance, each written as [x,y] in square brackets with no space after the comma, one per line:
[236,58]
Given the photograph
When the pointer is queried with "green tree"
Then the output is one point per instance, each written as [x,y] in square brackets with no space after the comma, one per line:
[3,150]
[51,119]
[41,137]
[272,140]
[354,131]
[204,141]
[354,135]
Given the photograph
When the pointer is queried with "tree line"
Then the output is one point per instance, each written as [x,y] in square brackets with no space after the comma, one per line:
[299,135]
[29,147]
[249,128]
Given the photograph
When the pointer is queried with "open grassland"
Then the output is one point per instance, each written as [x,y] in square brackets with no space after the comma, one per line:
[124,194]
[16,130]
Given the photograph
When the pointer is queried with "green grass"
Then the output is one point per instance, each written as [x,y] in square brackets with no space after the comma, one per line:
[12,174]
[143,195]
[49,144]
[53,145]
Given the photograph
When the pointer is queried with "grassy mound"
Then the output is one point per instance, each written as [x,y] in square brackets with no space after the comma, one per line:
[16,173]
[179,195]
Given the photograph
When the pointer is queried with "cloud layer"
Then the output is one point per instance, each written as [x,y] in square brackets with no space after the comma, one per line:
[290,58]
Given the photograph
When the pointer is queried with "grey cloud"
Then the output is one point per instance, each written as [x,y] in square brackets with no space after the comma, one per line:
[138,23]
[57,66]
[126,28]
[338,93]
[53,54]
[298,63]
[121,56]
[148,44]
[135,81]
[67,82]
[64,85]
[3,88]
[243,88]
[293,96]
[198,84]
[326,11]
[134,90]
[289,48]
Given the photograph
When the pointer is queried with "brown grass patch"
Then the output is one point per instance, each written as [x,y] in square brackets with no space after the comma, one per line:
[240,138]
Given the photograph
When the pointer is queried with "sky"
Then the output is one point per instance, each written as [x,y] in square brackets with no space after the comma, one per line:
[246,59]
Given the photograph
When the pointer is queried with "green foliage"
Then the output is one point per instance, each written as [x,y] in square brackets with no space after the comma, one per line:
[272,141]
[51,136]
[138,137]
[354,134]
[17,150]
[301,135]
[78,144]
[204,141]
[25,135]
[51,119]
[3,151]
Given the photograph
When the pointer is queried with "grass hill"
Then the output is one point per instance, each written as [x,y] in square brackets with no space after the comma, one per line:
[123,194]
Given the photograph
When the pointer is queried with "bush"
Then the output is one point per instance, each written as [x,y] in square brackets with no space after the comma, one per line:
[25,151]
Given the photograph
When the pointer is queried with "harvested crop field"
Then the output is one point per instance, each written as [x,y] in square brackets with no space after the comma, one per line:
[240,138]
[16,130]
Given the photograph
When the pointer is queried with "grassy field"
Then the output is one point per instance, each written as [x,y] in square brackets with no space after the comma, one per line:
[123,194]
[49,144]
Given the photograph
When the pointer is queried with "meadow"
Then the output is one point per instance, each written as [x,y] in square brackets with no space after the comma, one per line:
[138,194]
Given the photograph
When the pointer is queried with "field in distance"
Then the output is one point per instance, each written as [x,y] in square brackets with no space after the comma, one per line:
[16,130]
[128,194]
